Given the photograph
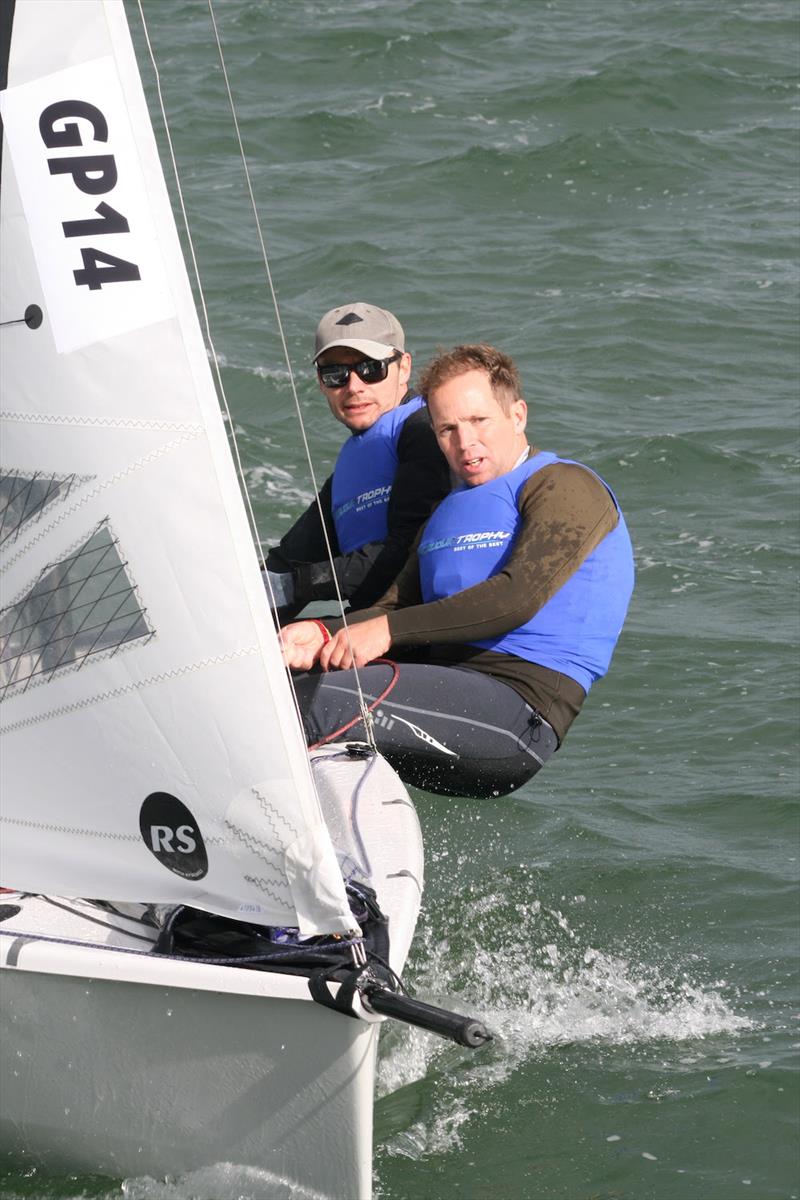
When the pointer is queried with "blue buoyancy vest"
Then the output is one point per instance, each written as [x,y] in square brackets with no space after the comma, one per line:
[363,477]
[470,537]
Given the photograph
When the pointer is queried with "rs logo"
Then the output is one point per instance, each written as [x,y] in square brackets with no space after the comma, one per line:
[161,837]
[172,835]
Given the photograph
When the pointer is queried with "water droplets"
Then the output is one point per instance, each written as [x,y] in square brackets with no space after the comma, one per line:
[524,970]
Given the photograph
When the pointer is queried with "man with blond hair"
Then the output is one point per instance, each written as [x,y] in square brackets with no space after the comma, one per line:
[388,476]
[506,613]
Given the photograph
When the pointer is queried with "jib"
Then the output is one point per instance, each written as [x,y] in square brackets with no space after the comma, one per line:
[94,175]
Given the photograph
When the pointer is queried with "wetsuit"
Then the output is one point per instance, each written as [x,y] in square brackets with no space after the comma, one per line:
[372,557]
[461,718]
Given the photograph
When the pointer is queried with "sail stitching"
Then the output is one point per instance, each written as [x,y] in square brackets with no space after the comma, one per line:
[107,835]
[74,609]
[50,594]
[260,849]
[264,886]
[137,465]
[25,496]
[72,830]
[101,422]
[270,813]
[115,693]
[43,677]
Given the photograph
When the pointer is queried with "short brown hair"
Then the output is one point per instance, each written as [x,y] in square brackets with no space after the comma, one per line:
[449,364]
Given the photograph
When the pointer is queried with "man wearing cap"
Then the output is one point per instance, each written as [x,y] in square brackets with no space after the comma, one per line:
[388,477]
[504,616]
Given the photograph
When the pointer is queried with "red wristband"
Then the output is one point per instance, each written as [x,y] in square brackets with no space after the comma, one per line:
[326,634]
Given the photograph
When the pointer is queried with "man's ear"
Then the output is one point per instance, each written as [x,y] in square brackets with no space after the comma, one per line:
[404,367]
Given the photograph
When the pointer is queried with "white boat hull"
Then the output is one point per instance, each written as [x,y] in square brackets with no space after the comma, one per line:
[143,1079]
[119,1061]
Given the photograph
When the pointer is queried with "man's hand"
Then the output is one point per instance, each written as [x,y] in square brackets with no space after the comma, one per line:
[359,645]
[301,643]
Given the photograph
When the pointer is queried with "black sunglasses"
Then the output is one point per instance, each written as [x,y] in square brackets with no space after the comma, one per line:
[369,370]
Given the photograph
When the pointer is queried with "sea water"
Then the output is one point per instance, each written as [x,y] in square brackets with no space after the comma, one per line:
[610,193]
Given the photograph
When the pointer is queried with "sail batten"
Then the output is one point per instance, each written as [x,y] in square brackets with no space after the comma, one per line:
[152,746]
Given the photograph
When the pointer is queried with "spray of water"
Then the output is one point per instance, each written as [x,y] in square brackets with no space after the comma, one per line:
[223,1181]
[538,985]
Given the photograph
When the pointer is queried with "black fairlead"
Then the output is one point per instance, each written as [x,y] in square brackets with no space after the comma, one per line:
[33,318]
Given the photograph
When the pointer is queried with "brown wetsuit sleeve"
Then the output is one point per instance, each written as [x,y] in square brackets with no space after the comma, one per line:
[405,592]
[566,511]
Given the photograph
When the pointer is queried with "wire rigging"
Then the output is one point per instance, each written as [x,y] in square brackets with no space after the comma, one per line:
[366,715]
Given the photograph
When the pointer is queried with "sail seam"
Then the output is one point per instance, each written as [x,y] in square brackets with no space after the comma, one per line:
[78,607]
[262,886]
[58,518]
[70,829]
[101,422]
[26,496]
[78,831]
[270,814]
[115,693]
[260,849]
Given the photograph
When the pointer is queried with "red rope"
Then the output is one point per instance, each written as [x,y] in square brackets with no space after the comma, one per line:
[344,728]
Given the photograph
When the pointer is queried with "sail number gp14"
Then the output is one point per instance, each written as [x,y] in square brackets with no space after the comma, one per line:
[93,200]
[94,175]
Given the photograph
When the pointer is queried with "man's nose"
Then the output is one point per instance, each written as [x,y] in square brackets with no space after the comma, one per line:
[355,385]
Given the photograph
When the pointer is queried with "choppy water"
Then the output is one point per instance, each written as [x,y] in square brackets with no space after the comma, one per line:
[610,193]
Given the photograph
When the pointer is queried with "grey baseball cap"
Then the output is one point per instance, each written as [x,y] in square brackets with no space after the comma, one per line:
[373,331]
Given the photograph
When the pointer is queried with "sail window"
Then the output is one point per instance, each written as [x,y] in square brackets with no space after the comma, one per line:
[86,604]
[25,497]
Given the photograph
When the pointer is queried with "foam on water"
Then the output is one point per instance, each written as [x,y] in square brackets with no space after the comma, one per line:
[223,1181]
[543,988]
[277,484]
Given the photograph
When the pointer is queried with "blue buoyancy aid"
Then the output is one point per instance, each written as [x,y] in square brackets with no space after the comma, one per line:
[470,537]
[363,478]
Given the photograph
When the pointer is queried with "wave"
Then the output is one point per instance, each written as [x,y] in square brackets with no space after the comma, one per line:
[539,987]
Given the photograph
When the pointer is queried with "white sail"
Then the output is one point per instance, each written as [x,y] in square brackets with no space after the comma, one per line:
[150,744]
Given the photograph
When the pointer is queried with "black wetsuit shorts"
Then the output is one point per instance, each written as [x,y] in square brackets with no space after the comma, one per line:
[448,730]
